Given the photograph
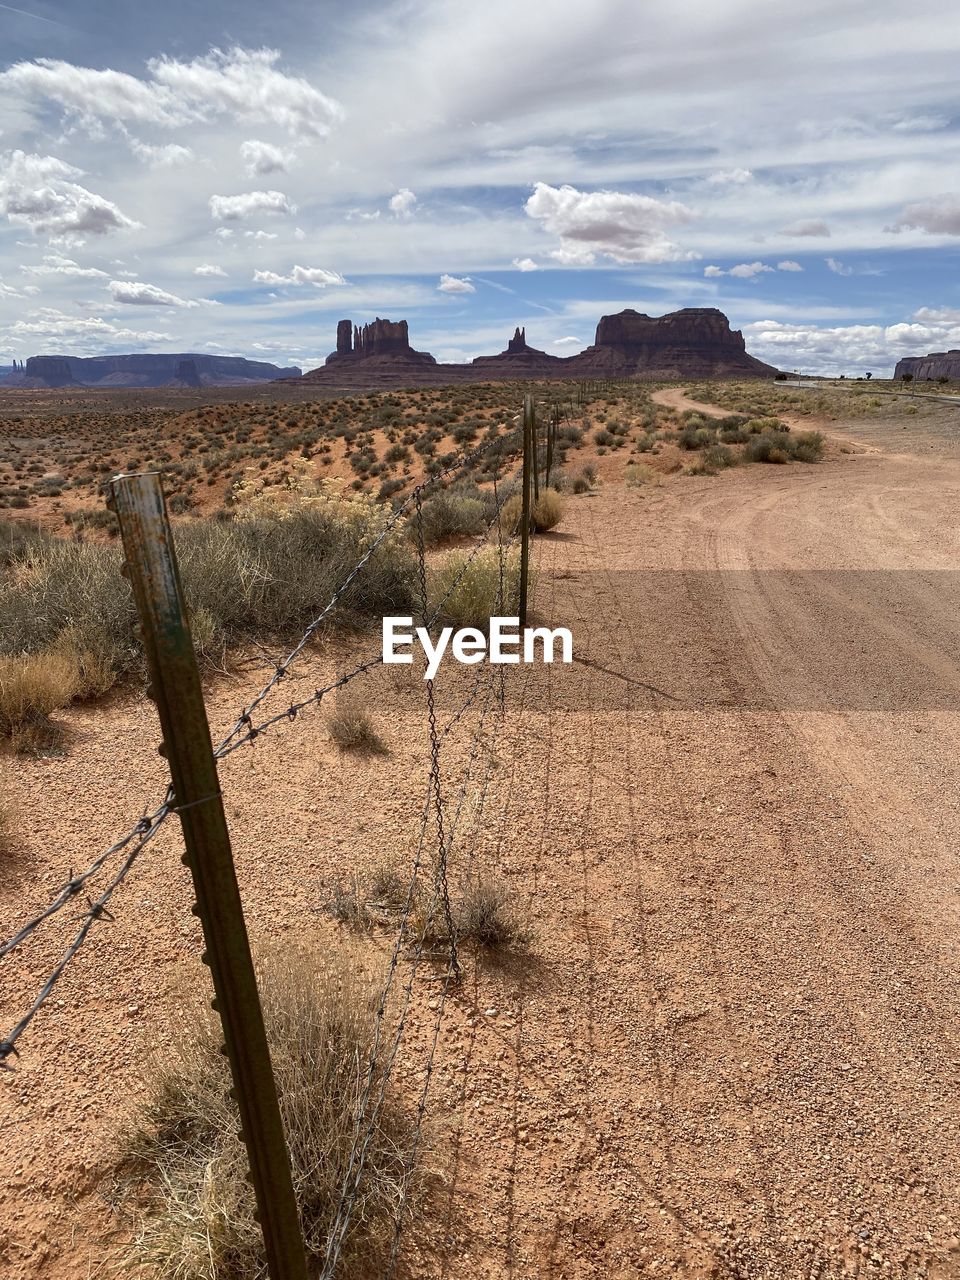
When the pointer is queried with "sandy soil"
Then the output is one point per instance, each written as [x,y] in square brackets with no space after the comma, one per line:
[734,1049]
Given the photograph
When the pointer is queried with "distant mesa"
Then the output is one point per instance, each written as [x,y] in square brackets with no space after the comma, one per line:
[695,342]
[183,370]
[938,364]
[383,339]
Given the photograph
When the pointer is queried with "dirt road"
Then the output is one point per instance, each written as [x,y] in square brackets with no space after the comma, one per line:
[735,1048]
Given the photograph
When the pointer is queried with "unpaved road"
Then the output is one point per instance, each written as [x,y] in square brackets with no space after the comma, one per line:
[735,1048]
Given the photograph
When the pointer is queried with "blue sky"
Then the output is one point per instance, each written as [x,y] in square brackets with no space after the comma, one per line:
[236,178]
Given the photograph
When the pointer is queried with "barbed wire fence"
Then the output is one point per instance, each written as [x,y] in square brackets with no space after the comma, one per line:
[411,946]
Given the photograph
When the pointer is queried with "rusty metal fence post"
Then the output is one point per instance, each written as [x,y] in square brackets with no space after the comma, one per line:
[151,566]
[529,464]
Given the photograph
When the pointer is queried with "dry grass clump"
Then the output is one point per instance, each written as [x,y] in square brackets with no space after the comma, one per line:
[484,916]
[489,918]
[182,1170]
[547,512]
[31,688]
[351,726]
[638,473]
[465,589]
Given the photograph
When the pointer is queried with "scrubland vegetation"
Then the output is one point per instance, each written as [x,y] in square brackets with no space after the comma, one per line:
[275,502]
[182,1171]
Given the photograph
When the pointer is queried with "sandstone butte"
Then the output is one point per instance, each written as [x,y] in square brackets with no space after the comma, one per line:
[694,342]
[156,370]
[938,364]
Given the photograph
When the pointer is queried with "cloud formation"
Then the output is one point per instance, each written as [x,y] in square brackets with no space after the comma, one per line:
[403,203]
[245,85]
[235,208]
[317,276]
[260,158]
[137,293]
[450,284]
[611,224]
[806,227]
[939,216]
[38,192]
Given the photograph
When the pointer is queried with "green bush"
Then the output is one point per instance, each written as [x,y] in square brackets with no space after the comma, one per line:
[466,590]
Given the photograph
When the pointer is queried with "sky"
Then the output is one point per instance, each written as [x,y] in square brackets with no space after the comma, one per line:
[235,179]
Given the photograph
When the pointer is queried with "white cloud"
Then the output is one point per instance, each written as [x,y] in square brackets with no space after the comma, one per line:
[261,236]
[851,349]
[838,268]
[137,293]
[729,177]
[742,271]
[318,276]
[38,192]
[260,158]
[224,233]
[565,342]
[51,324]
[789,265]
[170,155]
[938,216]
[525,264]
[55,265]
[450,284]
[614,224]
[938,315]
[233,208]
[209,269]
[806,227]
[244,85]
[403,203]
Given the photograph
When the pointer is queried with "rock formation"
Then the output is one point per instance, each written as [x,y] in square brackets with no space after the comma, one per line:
[694,342]
[518,357]
[149,371]
[382,338]
[938,364]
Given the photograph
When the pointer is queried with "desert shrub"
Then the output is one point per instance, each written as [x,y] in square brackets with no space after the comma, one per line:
[808,446]
[181,1179]
[264,573]
[351,727]
[768,446]
[487,916]
[696,437]
[714,458]
[778,446]
[30,689]
[450,514]
[754,426]
[581,484]
[603,437]
[464,590]
[638,473]
[547,512]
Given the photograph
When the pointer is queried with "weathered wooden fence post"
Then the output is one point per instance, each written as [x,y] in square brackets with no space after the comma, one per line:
[529,465]
[151,566]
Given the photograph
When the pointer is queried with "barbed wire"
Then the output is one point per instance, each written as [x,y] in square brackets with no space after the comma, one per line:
[244,719]
[243,732]
[367,1116]
[146,828]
